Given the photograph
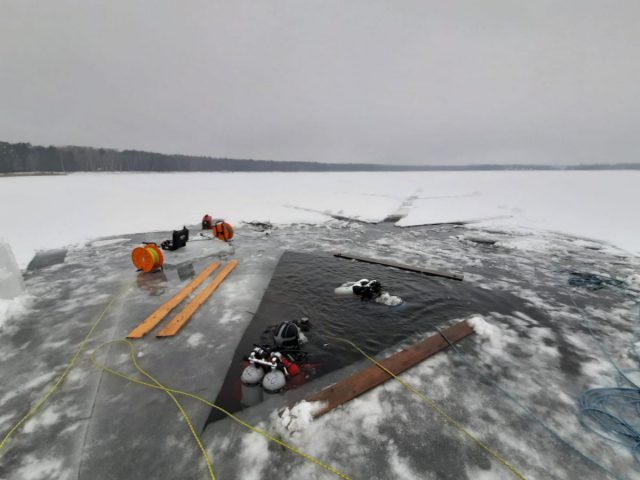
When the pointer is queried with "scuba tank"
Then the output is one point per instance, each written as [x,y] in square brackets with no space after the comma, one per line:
[272,366]
[252,375]
[274,381]
[279,366]
[250,386]
[282,368]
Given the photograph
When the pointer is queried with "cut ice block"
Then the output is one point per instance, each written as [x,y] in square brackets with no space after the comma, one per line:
[197,248]
[11,283]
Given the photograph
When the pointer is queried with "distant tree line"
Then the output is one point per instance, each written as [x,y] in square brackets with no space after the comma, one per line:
[24,158]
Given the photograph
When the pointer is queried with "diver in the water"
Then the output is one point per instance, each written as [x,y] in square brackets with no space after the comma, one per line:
[289,334]
[367,289]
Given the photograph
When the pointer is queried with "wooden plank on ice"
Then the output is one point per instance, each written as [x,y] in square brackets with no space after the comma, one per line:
[187,312]
[401,266]
[370,377]
[156,317]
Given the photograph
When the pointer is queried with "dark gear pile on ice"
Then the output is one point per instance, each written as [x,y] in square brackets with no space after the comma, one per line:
[179,239]
[274,365]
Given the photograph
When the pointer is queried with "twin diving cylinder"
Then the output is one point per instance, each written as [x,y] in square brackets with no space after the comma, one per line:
[271,366]
[270,369]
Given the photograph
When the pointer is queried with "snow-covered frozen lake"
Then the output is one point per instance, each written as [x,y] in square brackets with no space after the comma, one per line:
[532,358]
[53,211]
[514,384]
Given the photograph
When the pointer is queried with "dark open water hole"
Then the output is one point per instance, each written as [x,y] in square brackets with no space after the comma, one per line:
[303,286]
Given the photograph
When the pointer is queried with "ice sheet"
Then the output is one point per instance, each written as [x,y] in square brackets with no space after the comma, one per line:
[99,426]
[11,284]
[73,208]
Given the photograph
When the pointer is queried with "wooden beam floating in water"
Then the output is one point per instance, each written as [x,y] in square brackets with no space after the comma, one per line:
[370,377]
[410,268]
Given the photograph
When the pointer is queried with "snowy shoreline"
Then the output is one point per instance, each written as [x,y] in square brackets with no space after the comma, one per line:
[55,211]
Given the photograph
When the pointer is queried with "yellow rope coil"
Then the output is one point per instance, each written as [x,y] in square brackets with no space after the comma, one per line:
[441,412]
[154,254]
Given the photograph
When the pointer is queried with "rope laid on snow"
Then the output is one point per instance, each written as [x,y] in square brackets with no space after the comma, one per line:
[440,412]
[528,411]
[614,410]
[172,392]
[36,408]
[155,385]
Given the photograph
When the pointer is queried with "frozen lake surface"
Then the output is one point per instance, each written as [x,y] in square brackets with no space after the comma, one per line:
[539,350]
[53,211]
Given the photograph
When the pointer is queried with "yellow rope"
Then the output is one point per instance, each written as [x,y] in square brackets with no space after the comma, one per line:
[61,378]
[441,412]
[157,385]
[172,391]
[166,390]
[154,254]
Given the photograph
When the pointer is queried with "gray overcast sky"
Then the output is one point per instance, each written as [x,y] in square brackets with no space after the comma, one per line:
[410,82]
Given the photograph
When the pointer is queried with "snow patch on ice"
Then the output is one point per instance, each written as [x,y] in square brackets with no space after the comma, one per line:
[255,448]
[528,243]
[4,420]
[633,281]
[15,307]
[229,316]
[598,371]
[587,244]
[107,242]
[195,339]
[400,466]
[292,421]
[34,468]
[490,332]
[491,474]
[385,241]
[71,428]
[45,418]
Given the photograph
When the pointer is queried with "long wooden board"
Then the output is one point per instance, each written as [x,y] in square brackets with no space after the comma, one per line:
[187,312]
[156,317]
[410,268]
[370,377]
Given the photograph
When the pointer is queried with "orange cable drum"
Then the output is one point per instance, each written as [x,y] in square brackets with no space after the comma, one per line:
[147,258]
[223,231]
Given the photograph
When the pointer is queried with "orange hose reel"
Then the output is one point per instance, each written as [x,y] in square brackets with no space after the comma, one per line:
[223,231]
[147,258]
